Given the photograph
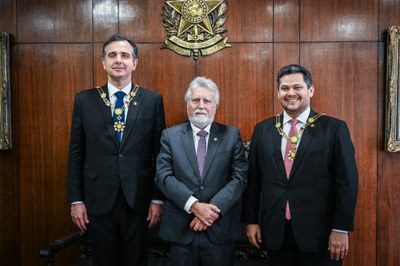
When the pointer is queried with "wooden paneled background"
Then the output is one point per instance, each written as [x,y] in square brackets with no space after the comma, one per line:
[55,51]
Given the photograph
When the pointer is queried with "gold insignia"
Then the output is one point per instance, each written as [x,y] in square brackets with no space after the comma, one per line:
[194,26]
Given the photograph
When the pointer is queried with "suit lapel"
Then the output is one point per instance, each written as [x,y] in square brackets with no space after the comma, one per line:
[213,143]
[277,140]
[105,111]
[134,107]
[305,142]
[188,145]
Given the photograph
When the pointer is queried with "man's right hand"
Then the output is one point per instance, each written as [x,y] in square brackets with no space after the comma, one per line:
[205,212]
[253,233]
[79,216]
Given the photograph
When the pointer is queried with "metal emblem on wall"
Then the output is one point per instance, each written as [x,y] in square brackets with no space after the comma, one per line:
[195,26]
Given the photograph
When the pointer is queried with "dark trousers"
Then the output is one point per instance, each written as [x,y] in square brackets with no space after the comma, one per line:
[119,238]
[203,252]
[290,254]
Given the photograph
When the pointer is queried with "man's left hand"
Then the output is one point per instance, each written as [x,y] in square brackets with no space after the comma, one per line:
[338,245]
[154,215]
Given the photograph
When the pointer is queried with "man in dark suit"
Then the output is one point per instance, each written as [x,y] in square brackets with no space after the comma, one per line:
[303,178]
[115,139]
[201,216]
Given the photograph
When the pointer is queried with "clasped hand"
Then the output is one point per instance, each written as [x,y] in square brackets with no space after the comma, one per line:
[205,215]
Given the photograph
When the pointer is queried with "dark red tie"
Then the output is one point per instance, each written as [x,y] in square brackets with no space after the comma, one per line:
[289,157]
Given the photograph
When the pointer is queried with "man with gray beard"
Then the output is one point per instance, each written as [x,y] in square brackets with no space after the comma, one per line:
[202,171]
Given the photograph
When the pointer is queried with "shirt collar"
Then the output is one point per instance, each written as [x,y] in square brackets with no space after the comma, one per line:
[112,89]
[302,117]
[196,129]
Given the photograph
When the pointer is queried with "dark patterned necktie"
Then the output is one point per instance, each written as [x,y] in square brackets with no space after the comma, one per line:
[201,151]
[119,115]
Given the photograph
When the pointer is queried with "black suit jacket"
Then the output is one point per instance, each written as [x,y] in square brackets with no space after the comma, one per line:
[99,165]
[322,187]
[224,180]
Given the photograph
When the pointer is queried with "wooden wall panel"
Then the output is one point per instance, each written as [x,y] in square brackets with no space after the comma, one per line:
[286,21]
[142,20]
[339,20]
[105,19]
[249,21]
[9,183]
[8,16]
[243,76]
[54,21]
[45,108]
[389,15]
[388,209]
[345,81]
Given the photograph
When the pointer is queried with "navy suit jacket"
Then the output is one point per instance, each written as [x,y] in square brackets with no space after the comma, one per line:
[225,178]
[99,165]
[322,186]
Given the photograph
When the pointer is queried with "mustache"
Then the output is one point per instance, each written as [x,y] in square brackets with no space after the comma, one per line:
[203,112]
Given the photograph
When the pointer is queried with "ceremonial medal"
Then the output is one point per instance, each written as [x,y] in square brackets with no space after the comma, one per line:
[118,111]
[295,139]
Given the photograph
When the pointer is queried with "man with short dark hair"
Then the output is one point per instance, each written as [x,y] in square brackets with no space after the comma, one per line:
[115,139]
[303,178]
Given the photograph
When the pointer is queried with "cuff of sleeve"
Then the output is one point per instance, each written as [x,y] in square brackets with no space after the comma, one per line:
[76,202]
[340,231]
[159,202]
[189,203]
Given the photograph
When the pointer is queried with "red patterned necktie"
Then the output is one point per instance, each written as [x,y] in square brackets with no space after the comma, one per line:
[201,151]
[289,157]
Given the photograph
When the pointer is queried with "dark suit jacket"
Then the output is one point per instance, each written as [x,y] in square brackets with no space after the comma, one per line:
[322,187]
[99,165]
[225,177]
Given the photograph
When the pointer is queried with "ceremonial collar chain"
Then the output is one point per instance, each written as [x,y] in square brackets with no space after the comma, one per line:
[119,125]
[118,111]
[295,139]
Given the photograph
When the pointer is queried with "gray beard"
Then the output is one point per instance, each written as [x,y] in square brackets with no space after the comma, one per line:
[201,122]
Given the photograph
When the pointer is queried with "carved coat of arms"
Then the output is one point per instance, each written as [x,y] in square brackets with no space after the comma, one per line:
[195,26]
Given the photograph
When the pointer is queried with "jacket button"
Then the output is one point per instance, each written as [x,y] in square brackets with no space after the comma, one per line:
[201,187]
[120,155]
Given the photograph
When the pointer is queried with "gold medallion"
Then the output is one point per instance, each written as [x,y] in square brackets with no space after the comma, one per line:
[103,95]
[294,139]
[118,111]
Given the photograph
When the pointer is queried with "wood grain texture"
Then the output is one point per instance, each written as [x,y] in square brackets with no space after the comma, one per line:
[142,20]
[286,21]
[45,21]
[8,16]
[388,207]
[45,109]
[339,20]
[250,21]
[389,15]
[345,81]
[105,19]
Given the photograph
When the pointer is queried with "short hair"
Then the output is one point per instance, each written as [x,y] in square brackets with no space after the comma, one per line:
[294,69]
[202,82]
[119,37]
